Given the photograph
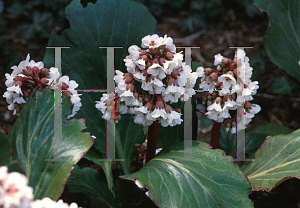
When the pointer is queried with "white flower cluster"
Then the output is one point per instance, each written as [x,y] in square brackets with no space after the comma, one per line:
[28,75]
[163,77]
[233,88]
[15,193]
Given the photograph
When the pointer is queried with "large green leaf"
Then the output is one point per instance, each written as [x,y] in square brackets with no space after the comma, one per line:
[277,159]
[209,179]
[105,23]
[283,36]
[89,182]
[33,142]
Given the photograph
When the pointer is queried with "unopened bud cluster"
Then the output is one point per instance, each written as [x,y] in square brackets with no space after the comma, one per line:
[163,77]
[27,76]
[229,86]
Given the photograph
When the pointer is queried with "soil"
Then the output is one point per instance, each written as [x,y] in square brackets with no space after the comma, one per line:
[241,30]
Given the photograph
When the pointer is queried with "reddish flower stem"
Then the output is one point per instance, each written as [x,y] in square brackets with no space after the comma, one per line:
[215,134]
[152,141]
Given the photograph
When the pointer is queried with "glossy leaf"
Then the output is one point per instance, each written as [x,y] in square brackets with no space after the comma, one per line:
[283,36]
[33,142]
[208,179]
[281,85]
[106,23]
[276,160]
[89,182]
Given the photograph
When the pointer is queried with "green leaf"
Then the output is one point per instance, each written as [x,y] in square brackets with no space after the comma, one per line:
[208,179]
[271,130]
[89,182]
[276,161]
[281,85]
[283,36]
[127,134]
[106,23]
[32,140]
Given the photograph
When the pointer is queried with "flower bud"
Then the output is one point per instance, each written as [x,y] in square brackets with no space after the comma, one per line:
[172,82]
[27,92]
[35,69]
[169,55]
[162,46]
[143,52]
[149,106]
[218,100]
[155,61]
[214,76]
[177,110]
[130,87]
[159,104]
[44,81]
[128,77]
[136,95]
[168,109]
[162,61]
[140,99]
[175,74]
[207,71]
[248,105]
[18,83]
[144,57]
[148,64]
[44,72]
[64,86]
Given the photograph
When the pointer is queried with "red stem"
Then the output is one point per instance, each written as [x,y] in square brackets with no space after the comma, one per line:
[215,134]
[152,140]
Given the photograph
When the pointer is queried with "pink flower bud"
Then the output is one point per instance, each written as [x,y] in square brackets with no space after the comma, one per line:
[149,106]
[214,76]
[173,82]
[155,61]
[44,81]
[168,109]
[144,57]
[162,46]
[44,72]
[64,86]
[162,61]
[248,105]
[136,95]
[159,104]
[218,100]
[130,87]
[207,71]
[140,99]
[128,77]
[169,55]
[175,74]
[148,64]
[177,110]
[143,52]
[18,83]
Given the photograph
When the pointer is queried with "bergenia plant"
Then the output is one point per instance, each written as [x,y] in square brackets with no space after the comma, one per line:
[154,164]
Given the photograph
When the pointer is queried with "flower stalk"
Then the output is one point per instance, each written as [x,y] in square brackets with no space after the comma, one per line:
[215,135]
[152,141]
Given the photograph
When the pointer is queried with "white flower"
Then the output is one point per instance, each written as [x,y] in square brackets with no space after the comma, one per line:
[130,64]
[210,86]
[158,150]
[253,86]
[134,52]
[173,118]
[218,59]
[227,80]
[168,41]
[255,109]
[53,76]
[156,70]
[101,105]
[230,104]
[16,191]
[215,106]
[9,82]
[141,63]
[143,116]
[155,86]
[200,71]
[15,89]
[159,112]
[152,41]
[49,203]
[22,65]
